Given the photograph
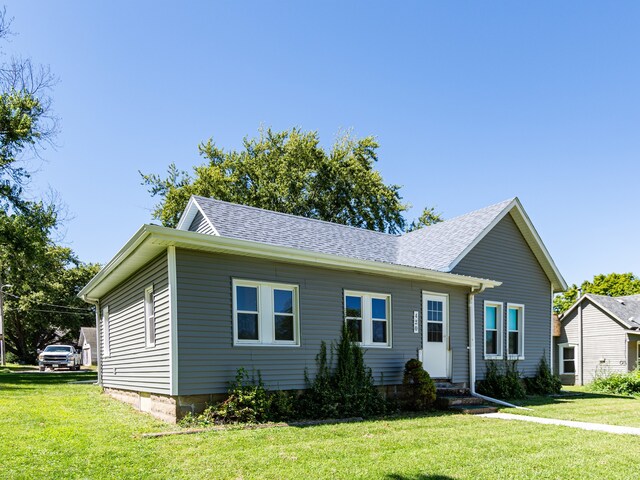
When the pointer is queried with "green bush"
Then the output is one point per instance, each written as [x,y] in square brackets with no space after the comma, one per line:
[618,383]
[348,390]
[544,382]
[420,390]
[502,380]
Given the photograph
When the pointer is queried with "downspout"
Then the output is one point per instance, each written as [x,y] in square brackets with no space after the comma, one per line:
[96,303]
[472,351]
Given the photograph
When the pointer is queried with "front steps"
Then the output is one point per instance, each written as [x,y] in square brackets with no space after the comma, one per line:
[459,399]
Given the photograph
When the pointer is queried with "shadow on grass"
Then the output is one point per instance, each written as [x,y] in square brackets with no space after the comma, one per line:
[420,476]
[31,380]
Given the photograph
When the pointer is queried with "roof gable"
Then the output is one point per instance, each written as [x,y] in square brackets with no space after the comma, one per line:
[625,310]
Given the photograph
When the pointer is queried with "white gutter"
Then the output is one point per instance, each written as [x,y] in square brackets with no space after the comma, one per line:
[472,352]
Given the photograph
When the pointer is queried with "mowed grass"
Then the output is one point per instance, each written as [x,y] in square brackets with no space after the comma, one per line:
[52,428]
[584,406]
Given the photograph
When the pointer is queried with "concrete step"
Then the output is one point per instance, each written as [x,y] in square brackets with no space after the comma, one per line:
[473,409]
[454,401]
[452,392]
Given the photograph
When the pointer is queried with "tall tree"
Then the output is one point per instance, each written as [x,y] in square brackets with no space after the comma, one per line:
[429,217]
[288,172]
[612,284]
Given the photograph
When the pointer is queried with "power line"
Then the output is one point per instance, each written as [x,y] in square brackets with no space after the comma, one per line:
[58,311]
[88,310]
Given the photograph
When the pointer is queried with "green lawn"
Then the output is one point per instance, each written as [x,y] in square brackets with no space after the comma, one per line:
[585,407]
[51,428]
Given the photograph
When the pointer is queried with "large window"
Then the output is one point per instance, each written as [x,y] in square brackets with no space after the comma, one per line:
[149,317]
[265,313]
[368,317]
[492,330]
[106,340]
[515,331]
[567,359]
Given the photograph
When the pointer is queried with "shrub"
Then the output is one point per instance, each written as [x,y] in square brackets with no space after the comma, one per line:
[502,380]
[420,390]
[348,390]
[544,382]
[618,383]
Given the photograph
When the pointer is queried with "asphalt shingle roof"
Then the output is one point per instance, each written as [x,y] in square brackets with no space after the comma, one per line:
[434,247]
[626,309]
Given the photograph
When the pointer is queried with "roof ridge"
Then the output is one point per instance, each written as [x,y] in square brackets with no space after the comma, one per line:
[457,217]
[391,235]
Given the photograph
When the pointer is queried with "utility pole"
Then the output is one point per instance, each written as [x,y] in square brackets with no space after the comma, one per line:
[2,349]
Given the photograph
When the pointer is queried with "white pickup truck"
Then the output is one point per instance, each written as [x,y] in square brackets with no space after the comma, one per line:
[59,356]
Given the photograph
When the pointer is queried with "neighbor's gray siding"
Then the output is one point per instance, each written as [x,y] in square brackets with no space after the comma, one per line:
[131,365]
[504,255]
[200,225]
[207,359]
[633,351]
[605,343]
[569,333]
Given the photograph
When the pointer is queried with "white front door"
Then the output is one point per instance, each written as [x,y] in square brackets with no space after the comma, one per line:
[435,334]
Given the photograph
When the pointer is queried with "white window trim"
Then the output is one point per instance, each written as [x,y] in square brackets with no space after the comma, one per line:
[499,327]
[561,347]
[266,321]
[149,320]
[520,355]
[367,318]
[106,332]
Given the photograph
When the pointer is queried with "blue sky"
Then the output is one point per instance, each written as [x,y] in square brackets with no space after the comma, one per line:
[472,103]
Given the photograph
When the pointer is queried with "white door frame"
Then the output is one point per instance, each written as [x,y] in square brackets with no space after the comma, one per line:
[444,297]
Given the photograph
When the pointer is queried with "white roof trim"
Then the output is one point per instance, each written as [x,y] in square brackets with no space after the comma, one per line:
[558,283]
[190,213]
[156,239]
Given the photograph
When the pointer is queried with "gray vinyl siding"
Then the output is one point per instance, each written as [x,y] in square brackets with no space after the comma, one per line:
[131,365]
[569,333]
[504,255]
[208,360]
[633,352]
[199,224]
[605,343]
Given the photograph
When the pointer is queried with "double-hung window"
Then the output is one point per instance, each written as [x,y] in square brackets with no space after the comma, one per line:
[149,317]
[106,335]
[493,330]
[368,318]
[515,331]
[567,359]
[265,313]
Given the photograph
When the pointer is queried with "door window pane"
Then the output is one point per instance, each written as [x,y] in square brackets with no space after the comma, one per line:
[434,332]
[434,311]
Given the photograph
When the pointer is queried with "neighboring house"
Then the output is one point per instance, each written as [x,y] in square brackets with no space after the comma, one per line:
[87,342]
[599,335]
[180,310]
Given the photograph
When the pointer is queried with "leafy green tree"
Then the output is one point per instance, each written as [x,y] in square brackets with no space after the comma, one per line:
[288,172]
[429,217]
[612,284]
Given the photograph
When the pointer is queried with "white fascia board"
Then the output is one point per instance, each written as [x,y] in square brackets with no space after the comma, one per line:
[161,237]
[561,284]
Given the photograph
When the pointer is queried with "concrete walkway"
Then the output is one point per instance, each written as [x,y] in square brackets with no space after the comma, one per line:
[600,427]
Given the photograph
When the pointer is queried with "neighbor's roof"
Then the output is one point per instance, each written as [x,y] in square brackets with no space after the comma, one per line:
[437,247]
[625,309]
[89,335]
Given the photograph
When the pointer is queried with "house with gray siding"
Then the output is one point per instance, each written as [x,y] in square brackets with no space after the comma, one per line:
[599,335]
[179,310]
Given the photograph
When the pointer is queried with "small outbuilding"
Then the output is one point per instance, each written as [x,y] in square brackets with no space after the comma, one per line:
[87,342]
[599,335]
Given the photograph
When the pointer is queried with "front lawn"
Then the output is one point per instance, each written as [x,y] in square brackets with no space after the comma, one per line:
[52,428]
[581,405]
